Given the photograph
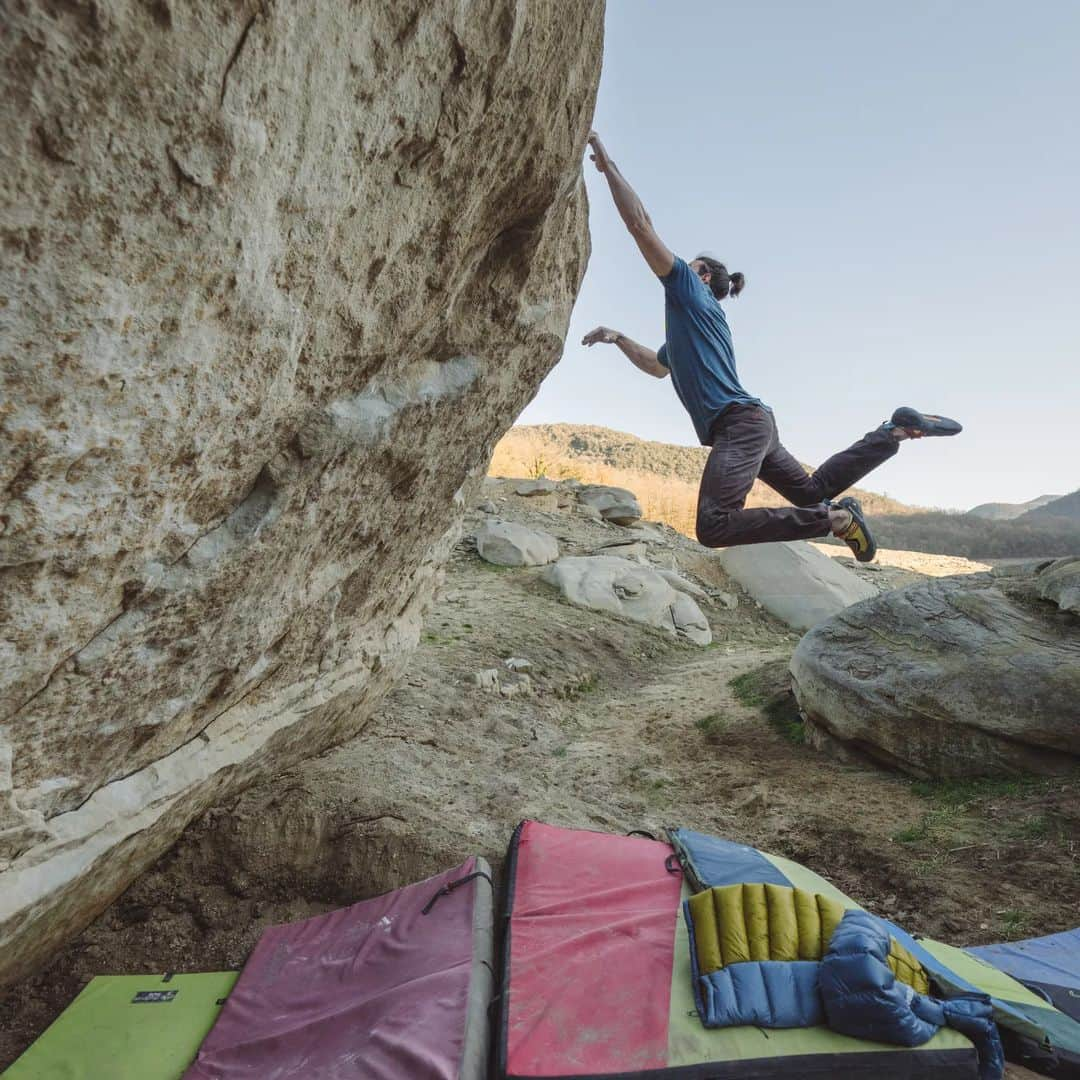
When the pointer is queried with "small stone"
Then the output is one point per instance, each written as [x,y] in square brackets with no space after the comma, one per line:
[487,680]
[518,663]
[516,686]
[487,507]
[753,802]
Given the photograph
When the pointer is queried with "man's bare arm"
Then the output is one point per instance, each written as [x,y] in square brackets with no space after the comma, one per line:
[639,355]
[657,254]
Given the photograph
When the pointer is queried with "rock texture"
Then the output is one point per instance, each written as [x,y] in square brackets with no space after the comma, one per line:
[614,504]
[506,543]
[275,279]
[794,581]
[607,583]
[963,676]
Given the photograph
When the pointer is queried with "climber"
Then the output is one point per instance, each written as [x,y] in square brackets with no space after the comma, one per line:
[740,428]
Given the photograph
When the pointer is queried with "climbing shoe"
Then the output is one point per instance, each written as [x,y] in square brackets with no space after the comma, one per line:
[918,424]
[857,535]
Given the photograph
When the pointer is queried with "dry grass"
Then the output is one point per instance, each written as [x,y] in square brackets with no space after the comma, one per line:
[664,477]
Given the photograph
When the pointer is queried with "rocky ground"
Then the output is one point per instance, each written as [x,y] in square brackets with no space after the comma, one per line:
[618,726]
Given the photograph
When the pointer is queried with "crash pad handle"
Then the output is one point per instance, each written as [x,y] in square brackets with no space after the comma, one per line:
[450,886]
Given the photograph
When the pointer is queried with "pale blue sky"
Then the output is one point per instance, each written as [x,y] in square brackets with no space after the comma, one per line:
[900,185]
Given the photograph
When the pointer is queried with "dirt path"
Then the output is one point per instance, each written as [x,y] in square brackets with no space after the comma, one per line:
[625,728]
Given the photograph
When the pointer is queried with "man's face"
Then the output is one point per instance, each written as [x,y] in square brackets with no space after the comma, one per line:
[702,271]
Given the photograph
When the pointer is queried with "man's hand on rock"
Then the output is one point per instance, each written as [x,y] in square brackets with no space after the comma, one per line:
[601,334]
[599,154]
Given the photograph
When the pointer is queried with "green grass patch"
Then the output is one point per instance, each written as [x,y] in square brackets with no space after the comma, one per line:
[1014,923]
[753,688]
[712,724]
[783,715]
[587,684]
[940,828]
[768,689]
[960,793]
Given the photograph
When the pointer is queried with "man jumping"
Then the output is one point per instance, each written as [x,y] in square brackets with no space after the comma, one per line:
[741,430]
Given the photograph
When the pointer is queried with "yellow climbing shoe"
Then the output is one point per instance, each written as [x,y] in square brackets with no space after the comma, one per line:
[857,535]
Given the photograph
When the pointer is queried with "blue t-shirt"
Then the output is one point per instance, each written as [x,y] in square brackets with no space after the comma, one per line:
[698,350]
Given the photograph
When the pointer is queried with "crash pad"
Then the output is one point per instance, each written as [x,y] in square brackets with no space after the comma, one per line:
[393,987]
[128,1027]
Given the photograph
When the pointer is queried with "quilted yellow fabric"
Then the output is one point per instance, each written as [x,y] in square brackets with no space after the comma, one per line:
[761,921]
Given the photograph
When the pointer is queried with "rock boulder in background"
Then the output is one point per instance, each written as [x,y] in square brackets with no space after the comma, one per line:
[794,581]
[276,277]
[622,587]
[506,543]
[614,504]
[961,676]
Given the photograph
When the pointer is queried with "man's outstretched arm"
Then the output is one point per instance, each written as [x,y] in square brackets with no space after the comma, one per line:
[639,355]
[657,254]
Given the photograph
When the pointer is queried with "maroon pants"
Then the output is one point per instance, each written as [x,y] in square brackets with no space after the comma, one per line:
[746,447]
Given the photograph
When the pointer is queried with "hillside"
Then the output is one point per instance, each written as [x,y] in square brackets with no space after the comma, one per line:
[1067,508]
[1030,536]
[664,476]
[1001,511]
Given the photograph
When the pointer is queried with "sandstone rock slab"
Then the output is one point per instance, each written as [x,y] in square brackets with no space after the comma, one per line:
[621,587]
[275,279]
[794,581]
[965,676]
[507,543]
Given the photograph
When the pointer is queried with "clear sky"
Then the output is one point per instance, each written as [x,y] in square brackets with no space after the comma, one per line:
[900,185]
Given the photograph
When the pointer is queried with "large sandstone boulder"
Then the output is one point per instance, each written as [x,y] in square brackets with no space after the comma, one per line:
[794,581]
[962,676]
[621,587]
[276,277]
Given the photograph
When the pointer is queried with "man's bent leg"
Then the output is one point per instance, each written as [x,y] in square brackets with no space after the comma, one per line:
[743,438]
[764,526]
[783,473]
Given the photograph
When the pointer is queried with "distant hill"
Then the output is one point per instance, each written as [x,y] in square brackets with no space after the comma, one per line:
[1068,507]
[1030,536]
[1008,511]
[665,477]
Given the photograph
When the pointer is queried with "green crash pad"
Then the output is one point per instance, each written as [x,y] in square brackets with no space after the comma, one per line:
[128,1027]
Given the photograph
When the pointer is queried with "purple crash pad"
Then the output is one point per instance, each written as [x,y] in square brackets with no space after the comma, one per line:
[377,990]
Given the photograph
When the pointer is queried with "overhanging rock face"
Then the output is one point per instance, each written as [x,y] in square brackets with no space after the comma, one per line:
[275,279]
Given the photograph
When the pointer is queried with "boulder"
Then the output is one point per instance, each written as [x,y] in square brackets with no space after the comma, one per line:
[261,331]
[1060,583]
[965,676]
[614,504]
[677,581]
[530,488]
[506,543]
[621,587]
[794,581]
